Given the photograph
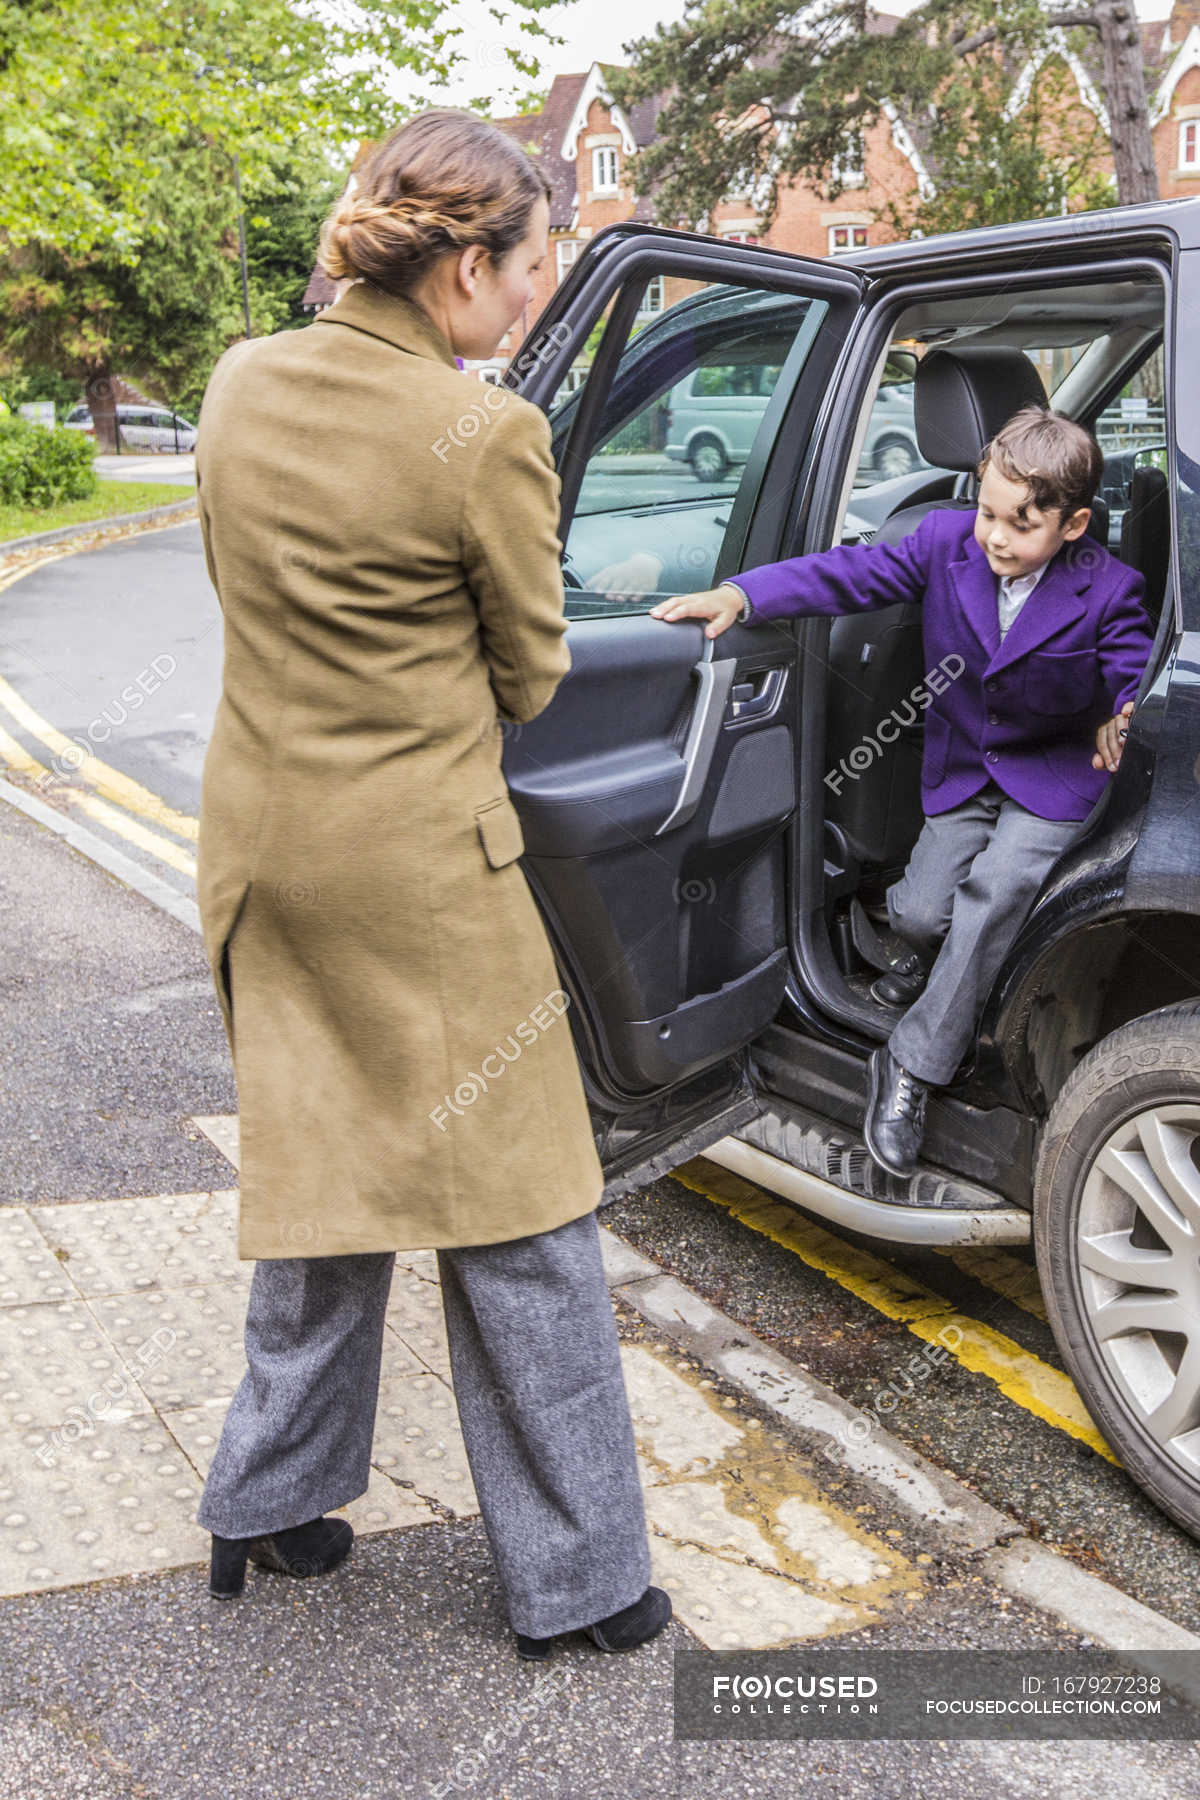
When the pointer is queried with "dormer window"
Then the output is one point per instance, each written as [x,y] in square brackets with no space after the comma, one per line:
[1189,144]
[604,170]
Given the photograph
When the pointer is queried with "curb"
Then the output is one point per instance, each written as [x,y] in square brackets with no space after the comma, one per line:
[88,528]
[143,881]
[993,1540]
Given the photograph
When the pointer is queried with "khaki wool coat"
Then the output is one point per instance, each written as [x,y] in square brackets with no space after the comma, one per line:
[380,529]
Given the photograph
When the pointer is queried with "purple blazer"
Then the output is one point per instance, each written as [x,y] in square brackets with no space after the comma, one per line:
[1022,713]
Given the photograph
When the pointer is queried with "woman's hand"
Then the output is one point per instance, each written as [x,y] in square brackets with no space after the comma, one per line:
[722,606]
[629,580]
[1110,739]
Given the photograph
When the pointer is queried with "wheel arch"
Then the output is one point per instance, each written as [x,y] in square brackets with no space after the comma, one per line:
[1093,977]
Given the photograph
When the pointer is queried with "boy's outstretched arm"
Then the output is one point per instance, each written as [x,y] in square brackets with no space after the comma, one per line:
[1124,644]
[851,578]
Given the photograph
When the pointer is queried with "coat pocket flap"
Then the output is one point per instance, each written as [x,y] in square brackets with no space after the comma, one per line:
[500,832]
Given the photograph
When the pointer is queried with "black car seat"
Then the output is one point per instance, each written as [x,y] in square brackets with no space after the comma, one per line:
[961,398]
[1146,535]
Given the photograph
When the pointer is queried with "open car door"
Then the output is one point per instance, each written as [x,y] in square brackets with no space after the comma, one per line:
[684,380]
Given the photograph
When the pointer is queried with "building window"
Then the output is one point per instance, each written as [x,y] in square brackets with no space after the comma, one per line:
[845,238]
[1189,144]
[653,298]
[849,165]
[566,249]
[604,170]
[740,237]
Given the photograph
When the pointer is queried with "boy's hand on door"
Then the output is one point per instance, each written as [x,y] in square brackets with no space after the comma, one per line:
[721,606]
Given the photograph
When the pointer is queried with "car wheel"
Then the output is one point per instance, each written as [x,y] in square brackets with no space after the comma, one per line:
[894,456]
[1117,1229]
[708,459]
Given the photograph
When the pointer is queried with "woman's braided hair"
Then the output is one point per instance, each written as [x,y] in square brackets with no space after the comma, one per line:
[442,182]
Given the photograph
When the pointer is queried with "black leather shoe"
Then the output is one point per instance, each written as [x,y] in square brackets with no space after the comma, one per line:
[901,984]
[623,1630]
[301,1550]
[895,1121]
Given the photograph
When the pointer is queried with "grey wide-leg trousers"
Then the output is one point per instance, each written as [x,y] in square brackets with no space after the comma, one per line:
[971,880]
[541,1397]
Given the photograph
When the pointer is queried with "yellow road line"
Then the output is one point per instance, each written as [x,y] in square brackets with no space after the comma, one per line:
[1008,1275]
[1022,1377]
[107,781]
[15,756]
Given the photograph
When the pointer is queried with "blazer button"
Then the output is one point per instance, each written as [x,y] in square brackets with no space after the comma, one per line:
[993,718]
[991,686]
[992,756]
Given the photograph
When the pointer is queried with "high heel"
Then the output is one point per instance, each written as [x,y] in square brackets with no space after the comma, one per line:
[623,1630]
[633,1625]
[300,1550]
[227,1570]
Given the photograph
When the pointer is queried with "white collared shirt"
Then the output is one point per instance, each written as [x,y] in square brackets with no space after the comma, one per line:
[1013,592]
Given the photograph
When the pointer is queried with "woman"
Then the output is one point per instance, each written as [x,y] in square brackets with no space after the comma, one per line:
[380,530]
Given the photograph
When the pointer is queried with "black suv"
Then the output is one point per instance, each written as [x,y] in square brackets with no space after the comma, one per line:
[710,824]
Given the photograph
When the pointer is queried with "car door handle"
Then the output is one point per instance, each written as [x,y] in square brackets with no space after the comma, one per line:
[757,698]
[704,728]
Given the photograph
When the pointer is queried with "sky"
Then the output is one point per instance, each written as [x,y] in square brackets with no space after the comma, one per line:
[594,30]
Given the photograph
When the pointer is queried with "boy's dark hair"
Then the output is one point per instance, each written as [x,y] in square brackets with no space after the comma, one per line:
[1059,461]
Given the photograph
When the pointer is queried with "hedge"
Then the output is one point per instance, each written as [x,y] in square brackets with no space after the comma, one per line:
[41,467]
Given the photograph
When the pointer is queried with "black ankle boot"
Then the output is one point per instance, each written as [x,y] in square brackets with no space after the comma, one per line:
[300,1550]
[623,1630]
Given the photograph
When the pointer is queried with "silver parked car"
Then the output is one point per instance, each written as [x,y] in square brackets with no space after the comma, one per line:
[714,414]
[142,427]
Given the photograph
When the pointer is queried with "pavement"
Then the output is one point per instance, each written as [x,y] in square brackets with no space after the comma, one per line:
[160,465]
[783,1512]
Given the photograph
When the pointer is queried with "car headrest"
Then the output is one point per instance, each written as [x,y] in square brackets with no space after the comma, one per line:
[962,396]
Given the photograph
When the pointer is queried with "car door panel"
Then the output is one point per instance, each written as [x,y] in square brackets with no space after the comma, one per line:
[673,916]
[655,790]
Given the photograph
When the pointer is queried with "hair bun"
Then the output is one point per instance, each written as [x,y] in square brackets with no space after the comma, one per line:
[443,181]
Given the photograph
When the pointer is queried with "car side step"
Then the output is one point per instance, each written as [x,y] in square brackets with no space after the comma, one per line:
[827,1170]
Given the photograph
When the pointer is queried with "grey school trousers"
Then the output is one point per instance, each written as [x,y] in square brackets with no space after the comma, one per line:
[971,880]
[541,1397]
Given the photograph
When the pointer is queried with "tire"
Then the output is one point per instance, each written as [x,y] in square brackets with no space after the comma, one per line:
[708,459]
[894,456]
[1131,1109]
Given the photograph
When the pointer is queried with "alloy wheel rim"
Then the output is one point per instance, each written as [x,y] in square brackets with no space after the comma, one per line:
[895,460]
[1138,1251]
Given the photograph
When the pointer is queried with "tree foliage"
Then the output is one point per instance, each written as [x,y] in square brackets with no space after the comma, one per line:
[121,120]
[758,93]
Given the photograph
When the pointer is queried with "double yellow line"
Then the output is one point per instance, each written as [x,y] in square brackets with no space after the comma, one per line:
[113,800]
[1020,1375]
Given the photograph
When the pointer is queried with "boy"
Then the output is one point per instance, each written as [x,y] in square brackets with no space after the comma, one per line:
[1053,640]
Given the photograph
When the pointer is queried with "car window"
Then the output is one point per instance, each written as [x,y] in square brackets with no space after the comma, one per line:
[680,439]
[890,446]
[1132,431]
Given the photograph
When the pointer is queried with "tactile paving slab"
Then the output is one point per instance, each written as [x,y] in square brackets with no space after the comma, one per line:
[29,1269]
[384,1506]
[159,1241]
[418,1440]
[57,1365]
[197,1333]
[118,1500]
[415,1314]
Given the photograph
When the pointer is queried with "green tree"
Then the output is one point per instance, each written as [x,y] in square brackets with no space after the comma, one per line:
[758,94]
[121,122]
